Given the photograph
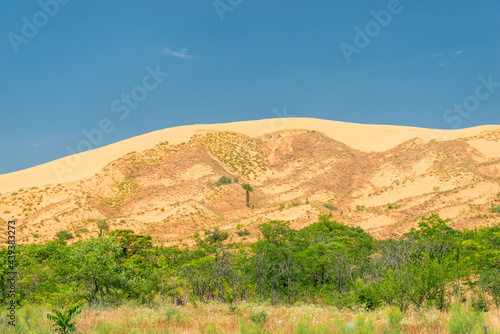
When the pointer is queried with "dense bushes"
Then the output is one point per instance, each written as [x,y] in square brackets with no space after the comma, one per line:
[224,180]
[327,262]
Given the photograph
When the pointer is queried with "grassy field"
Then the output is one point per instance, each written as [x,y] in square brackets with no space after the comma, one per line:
[259,318]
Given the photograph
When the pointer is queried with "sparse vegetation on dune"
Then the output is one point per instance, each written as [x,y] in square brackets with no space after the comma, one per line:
[180,189]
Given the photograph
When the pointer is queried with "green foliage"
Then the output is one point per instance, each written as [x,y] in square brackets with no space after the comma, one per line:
[461,321]
[215,236]
[330,207]
[360,207]
[223,180]
[259,318]
[394,319]
[327,262]
[95,265]
[173,315]
[131,243]
[495,209]
[490,282]
[63,321]
[478,302]
[64,235]
[368,295]
[102,225]
[248,188]
[243,233]
[212,328]
[81,230]
[124,190]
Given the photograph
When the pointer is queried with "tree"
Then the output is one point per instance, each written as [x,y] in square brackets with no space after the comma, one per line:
[131,243]
[62,321]
[248,189]
[103,226]
[94,266]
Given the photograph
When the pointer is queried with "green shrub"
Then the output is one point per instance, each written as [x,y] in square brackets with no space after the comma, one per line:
[259,318]
[479,303]
[360,207]
[249,329]
[394,319]
[212,328]
[243,233]
[362,325]
[463,322]
[172,314]
[330,207]
[64,235]
[62,321]
[368,296]
[495,209]
[223,180]
[490,282]
[215,236]
[105,328]
[81,230]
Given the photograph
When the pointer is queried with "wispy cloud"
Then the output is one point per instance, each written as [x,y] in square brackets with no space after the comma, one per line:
[179,54]
[37,145]
[446,57]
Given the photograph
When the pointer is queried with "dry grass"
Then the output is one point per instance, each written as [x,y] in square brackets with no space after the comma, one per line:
[220,318]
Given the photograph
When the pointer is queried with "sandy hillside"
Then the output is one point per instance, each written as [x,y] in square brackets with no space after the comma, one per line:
[382,178]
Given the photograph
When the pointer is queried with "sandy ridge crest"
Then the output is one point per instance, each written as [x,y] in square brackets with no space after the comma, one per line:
[364,137]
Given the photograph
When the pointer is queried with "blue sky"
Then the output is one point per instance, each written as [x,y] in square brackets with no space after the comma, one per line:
[66,66]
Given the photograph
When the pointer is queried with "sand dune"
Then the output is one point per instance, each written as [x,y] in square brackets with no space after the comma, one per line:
[363,137]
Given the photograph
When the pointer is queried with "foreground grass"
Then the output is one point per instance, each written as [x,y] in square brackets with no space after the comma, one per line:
[259,318]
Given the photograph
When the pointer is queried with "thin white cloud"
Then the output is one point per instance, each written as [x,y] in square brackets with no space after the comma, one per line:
[443,63]
[37,145]
[458,52]
[437,54]
[178,54]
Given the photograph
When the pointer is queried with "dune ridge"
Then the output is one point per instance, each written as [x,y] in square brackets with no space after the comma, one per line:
[363,137]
